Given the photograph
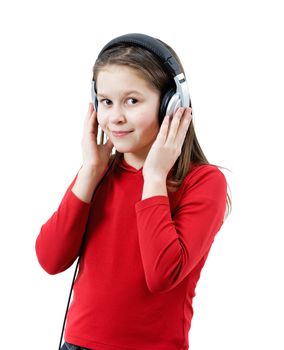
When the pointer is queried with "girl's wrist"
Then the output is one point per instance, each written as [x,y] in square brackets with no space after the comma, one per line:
[89,170]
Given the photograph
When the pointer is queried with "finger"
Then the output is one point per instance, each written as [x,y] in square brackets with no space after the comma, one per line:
[187,117]
[175,125]
[184,127]
[88,115]
[163,132]
[109,145]
[92,125]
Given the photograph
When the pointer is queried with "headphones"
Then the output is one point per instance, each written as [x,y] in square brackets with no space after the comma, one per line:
[172,98]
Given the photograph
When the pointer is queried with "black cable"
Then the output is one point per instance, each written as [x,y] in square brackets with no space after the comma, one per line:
[80,254]
[75,275]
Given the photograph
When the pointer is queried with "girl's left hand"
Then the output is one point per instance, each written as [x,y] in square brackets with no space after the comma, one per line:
[167,147]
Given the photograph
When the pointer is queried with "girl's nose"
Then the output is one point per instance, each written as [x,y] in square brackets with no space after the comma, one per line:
[116,114]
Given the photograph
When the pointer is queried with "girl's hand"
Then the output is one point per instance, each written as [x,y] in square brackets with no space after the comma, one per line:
[167,147]
[94,155]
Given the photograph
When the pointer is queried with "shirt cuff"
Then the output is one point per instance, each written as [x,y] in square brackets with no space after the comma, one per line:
[76,201]
[151,201]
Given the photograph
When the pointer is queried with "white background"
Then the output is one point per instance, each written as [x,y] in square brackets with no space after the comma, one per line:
[232,52]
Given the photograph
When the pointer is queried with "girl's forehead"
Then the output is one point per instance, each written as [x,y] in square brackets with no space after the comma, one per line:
[123,74]
[122,70]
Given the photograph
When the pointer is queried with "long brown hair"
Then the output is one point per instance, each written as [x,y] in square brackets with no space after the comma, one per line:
[156,74]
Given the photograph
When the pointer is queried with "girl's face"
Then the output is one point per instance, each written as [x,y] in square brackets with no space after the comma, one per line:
[127,102]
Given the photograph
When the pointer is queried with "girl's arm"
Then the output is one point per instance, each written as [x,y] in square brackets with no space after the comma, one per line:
[86,182]
[172,245]
[59,241]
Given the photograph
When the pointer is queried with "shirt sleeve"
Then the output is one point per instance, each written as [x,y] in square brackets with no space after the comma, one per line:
[172,245]
[58,243]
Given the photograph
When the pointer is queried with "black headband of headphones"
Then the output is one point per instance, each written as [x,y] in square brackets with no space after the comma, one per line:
[173,97]
[151,44]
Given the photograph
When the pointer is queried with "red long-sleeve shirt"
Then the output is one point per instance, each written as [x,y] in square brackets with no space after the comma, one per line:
[141,261]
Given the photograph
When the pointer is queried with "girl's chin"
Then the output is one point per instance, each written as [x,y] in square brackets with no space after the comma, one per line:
[123,149]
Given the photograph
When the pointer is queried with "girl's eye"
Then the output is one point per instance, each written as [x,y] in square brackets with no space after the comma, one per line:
[134,101]
[105,101]
[108,102]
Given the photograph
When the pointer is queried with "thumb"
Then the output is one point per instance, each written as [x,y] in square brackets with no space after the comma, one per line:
[109,144]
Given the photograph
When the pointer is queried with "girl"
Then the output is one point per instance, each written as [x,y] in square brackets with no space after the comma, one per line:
[153,208]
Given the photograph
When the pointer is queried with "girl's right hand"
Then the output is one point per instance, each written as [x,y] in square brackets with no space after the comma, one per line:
[94,155]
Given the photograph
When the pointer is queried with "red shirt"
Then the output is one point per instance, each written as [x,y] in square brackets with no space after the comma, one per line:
[142,258]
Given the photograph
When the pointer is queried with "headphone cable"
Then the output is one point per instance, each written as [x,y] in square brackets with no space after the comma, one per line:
[78,261]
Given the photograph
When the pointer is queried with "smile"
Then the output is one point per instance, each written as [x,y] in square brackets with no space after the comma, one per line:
[120,134]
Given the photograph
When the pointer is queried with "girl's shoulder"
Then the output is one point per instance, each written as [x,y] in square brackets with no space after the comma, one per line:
[197,174]
[196,168]
[204,173]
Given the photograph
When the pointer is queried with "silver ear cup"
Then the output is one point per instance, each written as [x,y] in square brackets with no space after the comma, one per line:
[94,96]
[173,105]
[101,137]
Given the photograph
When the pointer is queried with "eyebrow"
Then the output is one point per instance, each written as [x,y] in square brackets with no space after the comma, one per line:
[125,93]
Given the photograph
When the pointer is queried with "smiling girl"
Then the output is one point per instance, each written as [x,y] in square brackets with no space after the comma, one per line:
[142,220]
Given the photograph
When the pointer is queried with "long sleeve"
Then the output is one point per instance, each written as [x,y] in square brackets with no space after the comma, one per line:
[58,243]
[171,245]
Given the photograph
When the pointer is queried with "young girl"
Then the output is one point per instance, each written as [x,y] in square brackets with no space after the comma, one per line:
[153,208]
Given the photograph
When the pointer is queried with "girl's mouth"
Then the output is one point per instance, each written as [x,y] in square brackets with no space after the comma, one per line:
[120,134]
